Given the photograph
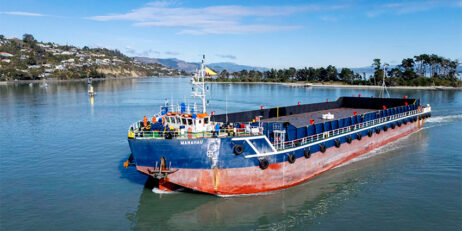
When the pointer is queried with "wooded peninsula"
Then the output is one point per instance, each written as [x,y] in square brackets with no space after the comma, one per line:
[422,70]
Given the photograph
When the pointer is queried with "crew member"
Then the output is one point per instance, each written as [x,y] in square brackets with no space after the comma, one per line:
[145,121]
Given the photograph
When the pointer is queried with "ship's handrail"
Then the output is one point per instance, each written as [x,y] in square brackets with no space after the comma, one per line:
[175,134]
[340,131]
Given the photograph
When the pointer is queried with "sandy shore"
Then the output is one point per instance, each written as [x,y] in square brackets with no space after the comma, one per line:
[346,86]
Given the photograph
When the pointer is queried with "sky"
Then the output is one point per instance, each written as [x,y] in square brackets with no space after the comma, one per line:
[273,34]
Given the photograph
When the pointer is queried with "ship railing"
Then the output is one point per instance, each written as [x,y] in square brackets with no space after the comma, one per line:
[343,130]
[175,134]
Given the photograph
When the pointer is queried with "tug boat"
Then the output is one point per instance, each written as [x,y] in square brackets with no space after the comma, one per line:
[258,151]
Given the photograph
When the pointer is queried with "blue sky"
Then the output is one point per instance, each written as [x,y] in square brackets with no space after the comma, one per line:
[278,34]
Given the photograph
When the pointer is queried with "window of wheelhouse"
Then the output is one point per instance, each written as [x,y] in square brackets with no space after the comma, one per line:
[184,121]
[189,121]
[172,120]
[206,120]
[178,120]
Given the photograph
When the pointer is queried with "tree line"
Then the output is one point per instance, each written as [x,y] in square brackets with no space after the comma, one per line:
[422,70]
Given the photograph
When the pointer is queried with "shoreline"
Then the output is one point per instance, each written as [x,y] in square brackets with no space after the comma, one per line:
[346,86]
[52,80]
[321,85]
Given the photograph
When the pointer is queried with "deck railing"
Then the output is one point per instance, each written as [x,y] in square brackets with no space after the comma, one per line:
[340,131]
[139,133]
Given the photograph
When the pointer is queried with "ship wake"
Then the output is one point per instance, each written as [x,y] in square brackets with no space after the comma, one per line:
[444,119]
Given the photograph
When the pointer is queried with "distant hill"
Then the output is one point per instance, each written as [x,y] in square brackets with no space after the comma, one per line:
[232,67]
[191,67]
[171,63]
[29,59]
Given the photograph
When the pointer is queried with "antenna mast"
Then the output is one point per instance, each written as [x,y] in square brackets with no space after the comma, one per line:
[384,87]
[199,81]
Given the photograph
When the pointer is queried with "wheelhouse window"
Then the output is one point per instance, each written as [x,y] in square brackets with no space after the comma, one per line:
[178,120]
[172,120]
[184,121]
[189,121]
[206,120]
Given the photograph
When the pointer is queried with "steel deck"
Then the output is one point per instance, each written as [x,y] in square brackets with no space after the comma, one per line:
[303,119]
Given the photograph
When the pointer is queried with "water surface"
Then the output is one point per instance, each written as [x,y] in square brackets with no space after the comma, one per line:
[62,155]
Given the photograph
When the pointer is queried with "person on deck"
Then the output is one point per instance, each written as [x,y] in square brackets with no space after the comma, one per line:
[145,121]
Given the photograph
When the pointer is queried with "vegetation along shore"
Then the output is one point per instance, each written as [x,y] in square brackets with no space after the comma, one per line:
[422,70]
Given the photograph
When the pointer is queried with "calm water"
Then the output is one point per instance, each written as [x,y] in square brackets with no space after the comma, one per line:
[61,166]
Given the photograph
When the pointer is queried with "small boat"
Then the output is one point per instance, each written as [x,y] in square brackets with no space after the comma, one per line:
[91,91]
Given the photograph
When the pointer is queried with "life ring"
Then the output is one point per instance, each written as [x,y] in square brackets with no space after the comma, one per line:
[369,133]
[238,149]
[337,143]
[307,153]
[393,125]
[385,128]
[399,123]
[377,130]
[263,163]
[322,148]
[291,158]
[358,135]
[349,139]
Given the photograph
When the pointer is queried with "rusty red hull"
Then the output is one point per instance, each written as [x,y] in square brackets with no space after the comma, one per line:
[252,180]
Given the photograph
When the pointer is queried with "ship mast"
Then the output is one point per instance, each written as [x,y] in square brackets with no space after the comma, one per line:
[199,82]
[384,86]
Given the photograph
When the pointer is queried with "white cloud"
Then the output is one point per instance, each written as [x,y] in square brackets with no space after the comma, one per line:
[406,7]
[329,18]
[132,51]
[226,56]
[213,19]
[21,13]
[172,53]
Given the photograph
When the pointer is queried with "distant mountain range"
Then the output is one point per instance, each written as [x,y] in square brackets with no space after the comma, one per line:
[191,67]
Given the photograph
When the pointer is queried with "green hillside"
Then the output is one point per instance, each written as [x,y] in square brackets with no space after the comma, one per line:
[28,59]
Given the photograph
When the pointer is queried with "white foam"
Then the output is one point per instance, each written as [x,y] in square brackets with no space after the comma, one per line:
[444,119]
[158,191]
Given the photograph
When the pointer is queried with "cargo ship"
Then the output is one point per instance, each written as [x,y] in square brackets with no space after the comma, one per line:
[263,150]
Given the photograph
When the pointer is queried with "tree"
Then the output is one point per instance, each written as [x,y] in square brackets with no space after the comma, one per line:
[224,74]
[331,73]
[28,38]
[378,73]
[347,75]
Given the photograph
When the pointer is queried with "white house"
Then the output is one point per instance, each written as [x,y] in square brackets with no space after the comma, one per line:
[4,54]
